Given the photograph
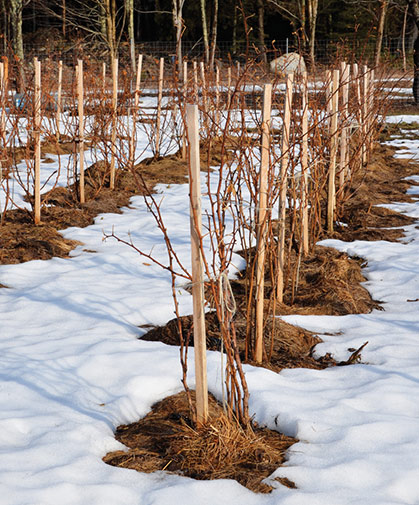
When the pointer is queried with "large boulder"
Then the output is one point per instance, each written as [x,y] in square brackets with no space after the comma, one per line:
[288,63]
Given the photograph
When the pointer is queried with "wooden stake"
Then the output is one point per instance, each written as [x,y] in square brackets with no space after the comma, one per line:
[304,162]
[284,187]
[114,118]
[2,123]
[329,93]
[217,96]
[184,94]
[3,103]
[37,139]
[262,221]
[195,82]
[371,93]
[135,112]
[356,81]
[59,95]
[204,91]
[159,100]
[192,114]
[331,200]
[364,115]
[80,98]
[228,88]
[103,78]
[344,150]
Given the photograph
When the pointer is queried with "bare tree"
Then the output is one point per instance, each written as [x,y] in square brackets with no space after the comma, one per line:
[177,8]
[15,16]
[301,13]
[380,30]
[414,12]
[205,30]
[214,34]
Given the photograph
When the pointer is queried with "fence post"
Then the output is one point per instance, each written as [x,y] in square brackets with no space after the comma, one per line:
[103,77]
[80,98]
[228,87]
[114,120]
[356,81]
[195,82]
[37,139]
[184,94]
[59,95]
[331,196]
[262,221]
[217,96]
[284,186]
[204,91]
[344,151]
[135,112]
[2,123]
[159,100]
[364,113]
[192,114]
[304,162]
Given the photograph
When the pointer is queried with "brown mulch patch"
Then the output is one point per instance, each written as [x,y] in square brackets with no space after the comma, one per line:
[21,241]
[329,285]
[61,208]
[166,439]
[382,183]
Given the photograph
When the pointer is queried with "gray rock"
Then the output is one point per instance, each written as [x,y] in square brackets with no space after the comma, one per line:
[288,63]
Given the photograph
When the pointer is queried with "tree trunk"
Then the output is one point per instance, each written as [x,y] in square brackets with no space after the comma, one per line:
[16,7]
[214,34]
[414,11]
[110,15]
[380,31]
[261,30]
[312,21]
[63,14]
[129,6]
[177,8]
[205,30]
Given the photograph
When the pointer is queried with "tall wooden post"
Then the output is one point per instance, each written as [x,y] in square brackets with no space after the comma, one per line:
[358,108]
[228,88]
[184,94]
[217,96]
[195,82]
[59,99]
[135,113]
[262,221]
[329,93]
[344,150]
[114,120]
[284,186]
[80,99]
[197,267]
[364,123]
[103,78]
[37,139]
[204,90]
[304,162]
[331,195]
[2,122]
[371,97]
[159,100]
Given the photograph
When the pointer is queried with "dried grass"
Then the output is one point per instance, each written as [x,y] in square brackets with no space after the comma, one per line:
[166,440]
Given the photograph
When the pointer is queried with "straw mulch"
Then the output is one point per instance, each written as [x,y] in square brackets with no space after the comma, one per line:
[167,440]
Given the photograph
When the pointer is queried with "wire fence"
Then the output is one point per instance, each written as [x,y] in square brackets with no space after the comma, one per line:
[326,51]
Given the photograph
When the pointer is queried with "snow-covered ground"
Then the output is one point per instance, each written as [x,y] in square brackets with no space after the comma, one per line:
[72,370]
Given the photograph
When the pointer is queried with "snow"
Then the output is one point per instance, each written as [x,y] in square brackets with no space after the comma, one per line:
[72,369]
